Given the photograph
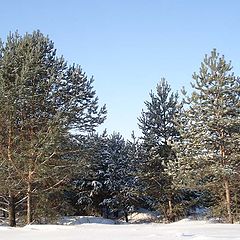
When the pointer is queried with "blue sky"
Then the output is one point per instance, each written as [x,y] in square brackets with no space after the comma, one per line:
[129,45]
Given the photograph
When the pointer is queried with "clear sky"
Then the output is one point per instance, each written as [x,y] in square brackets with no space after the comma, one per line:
[129,45]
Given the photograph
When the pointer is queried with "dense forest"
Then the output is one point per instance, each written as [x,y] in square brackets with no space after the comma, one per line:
[54,163]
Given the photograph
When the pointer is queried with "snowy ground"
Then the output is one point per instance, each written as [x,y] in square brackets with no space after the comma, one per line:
[185,230]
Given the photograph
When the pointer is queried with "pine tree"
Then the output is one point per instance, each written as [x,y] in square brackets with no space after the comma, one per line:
[42,101]
[130,195]
[89,184]
[106,183]
[159,130]
[121,179]
[208,152]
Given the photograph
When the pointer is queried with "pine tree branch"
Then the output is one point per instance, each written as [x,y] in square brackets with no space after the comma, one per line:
[20,201]
[4,210]
[3,203]
[56,184]
[4,198]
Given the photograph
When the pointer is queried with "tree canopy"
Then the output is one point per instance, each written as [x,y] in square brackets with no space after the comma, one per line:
[42,99]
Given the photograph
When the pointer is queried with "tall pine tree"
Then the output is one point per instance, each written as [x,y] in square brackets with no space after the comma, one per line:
[159,130]
[209,153]
[42,100]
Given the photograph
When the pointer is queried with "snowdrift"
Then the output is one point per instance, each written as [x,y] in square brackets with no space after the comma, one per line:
[75,220]
[182,230]
[143,216]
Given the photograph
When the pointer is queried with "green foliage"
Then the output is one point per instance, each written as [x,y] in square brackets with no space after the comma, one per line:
[159,130]
[157,123]
[188,157]
[208,153]
[42,100]
[106,182]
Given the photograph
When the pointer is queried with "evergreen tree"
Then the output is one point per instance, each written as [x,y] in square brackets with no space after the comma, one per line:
[42,100]
[89,183]
[106,183]
[121,178]
[159,130]
[130,194]
[208,153]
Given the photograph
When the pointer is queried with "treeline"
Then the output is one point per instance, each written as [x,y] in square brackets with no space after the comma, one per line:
[53,162]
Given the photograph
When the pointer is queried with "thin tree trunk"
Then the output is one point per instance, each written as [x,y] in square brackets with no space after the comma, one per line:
[29,200]
[228,201]
[170,209]
[226,183]
[12,211]
[126,216]
[11,203]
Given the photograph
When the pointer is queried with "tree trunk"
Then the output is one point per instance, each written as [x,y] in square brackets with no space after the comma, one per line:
[11,203]
[29,200]
[126,216]
[12,211]
[228,201]
[170,211]
[226,182]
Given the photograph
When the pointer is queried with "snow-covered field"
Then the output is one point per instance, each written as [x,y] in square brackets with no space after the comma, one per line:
[185,229]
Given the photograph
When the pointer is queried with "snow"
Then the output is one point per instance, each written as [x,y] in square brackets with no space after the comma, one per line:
[143,216]
[84,219]
[182,230]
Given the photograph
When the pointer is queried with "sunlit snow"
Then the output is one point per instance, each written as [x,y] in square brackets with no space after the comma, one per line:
[104,230]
